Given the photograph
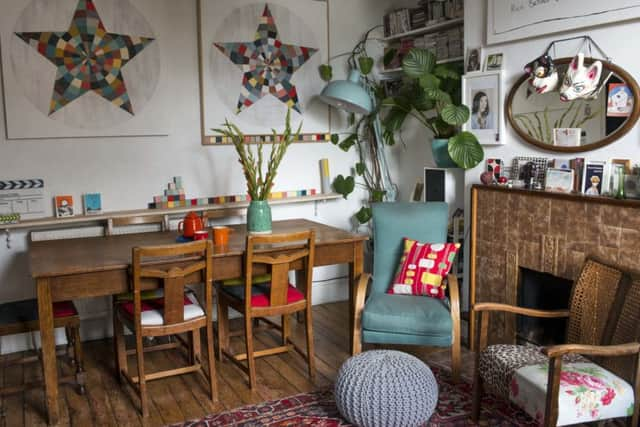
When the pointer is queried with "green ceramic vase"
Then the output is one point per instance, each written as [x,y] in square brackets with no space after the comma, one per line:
[259,217]
[440,150]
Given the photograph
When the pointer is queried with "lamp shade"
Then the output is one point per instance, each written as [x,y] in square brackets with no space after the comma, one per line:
[348,95]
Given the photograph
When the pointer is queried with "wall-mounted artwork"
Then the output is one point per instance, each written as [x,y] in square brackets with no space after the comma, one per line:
[75,68]
[257,60]
[509,20]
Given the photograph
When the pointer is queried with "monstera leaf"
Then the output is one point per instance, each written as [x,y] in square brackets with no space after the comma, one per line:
[465,150]
[455,115]
[418,62]
[344,186]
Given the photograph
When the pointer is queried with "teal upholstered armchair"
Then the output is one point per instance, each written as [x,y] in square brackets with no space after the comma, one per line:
[406,319]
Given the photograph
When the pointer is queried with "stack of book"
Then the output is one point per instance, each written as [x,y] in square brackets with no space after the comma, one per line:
[418,18]
[397,22]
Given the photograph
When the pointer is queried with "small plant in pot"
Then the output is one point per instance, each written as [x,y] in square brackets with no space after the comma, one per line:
[431,94]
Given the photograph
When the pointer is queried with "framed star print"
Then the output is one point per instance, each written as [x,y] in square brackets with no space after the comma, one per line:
[257,59]
[83,68]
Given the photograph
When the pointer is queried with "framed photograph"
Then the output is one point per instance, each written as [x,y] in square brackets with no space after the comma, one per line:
[593,177]
[473,60]
[495,167]
[559,180]
[63,206]
[482,93]
[626,163]
[631,187]
[494,62]
[531,171]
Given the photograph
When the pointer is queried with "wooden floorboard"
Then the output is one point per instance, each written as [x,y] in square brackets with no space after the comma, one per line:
[107,402]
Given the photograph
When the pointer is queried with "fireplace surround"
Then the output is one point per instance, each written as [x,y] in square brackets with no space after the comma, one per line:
[545,232]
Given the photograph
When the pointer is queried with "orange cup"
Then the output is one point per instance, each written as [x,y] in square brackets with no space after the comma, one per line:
[221,235]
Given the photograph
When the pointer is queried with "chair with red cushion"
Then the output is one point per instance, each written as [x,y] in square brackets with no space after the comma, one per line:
[20,317]
[171,312]
[275,254]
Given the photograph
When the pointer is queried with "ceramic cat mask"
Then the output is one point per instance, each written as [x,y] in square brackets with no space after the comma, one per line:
[544,77]
[580,81]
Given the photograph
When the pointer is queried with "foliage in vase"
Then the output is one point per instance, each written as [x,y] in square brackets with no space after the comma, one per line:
[260,181]
[430,93]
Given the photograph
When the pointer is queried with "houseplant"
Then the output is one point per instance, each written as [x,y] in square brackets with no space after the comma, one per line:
[259,181]
[430,93]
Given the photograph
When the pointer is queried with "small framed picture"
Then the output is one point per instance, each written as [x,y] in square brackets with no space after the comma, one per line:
[619,101]
[559,180]
[482,93]
[593,176]
[566,137]
[495,167]
[473,60]
[92,203]
[494,62]
[63,206]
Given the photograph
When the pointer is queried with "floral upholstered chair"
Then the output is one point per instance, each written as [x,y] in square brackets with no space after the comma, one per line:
[595,376]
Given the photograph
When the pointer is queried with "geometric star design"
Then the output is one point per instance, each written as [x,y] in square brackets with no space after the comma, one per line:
[268,65]
[87,57]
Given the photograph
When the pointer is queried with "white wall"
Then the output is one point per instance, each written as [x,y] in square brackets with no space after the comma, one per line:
[129,171]
[615,39]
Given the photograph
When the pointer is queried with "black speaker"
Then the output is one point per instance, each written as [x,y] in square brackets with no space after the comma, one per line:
[434,187]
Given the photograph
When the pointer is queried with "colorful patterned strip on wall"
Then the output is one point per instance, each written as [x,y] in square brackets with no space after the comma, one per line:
[255,139]
[164,202]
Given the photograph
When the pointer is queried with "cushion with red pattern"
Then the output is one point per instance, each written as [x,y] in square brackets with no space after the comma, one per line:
[422,268]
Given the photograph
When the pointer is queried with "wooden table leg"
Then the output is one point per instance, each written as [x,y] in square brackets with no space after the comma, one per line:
[356,268]
[50,371]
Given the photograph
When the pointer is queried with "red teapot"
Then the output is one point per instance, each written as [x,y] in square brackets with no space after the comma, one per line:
[190,224]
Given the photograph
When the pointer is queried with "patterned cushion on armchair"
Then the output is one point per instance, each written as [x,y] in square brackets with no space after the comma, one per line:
[588,393]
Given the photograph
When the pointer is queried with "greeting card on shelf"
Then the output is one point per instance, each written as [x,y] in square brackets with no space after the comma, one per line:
[63,206]
[92,203]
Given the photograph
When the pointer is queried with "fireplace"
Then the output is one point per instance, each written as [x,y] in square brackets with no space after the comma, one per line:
[542,291]
[545,232]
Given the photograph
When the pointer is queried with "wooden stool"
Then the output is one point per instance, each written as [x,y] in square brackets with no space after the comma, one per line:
[22,316]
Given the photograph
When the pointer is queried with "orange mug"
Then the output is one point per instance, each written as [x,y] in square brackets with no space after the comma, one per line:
[221,235]
[201,235]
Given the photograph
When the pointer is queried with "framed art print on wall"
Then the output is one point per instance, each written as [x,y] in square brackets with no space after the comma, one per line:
[258,59]
[482,93]
[57,85]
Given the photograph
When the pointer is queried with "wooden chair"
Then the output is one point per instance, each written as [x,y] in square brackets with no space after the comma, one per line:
[277,298]
[175,312]
[604,325]
[22,317]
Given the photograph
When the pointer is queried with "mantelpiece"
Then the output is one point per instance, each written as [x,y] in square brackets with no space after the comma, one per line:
[546,232]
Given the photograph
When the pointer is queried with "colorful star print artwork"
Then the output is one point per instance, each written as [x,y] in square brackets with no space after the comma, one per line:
[88,58]
[268,65]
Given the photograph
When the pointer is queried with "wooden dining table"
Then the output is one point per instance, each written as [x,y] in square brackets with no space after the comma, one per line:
[98,266]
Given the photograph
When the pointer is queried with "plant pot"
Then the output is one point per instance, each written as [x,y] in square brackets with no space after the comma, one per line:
[259,217]
[440,150]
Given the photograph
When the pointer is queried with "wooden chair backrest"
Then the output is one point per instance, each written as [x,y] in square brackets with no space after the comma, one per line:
[592,299]
[605,310]
[172,265]
[135,220]
[284,250]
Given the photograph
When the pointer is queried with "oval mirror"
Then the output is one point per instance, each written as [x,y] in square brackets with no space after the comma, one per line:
[579,125]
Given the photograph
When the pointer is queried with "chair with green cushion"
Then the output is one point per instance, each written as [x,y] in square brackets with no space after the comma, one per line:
[406,319]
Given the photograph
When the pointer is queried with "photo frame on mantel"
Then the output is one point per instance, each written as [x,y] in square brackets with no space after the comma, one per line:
[124,98]
[233,90]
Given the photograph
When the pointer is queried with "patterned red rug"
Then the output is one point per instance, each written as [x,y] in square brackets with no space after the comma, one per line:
[318,408]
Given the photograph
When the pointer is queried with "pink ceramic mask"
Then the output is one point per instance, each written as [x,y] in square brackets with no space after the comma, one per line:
[580,81]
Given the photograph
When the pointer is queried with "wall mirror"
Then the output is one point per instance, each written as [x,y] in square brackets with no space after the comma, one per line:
[580,125]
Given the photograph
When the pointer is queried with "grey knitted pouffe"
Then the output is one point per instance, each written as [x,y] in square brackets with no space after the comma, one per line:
[385,388]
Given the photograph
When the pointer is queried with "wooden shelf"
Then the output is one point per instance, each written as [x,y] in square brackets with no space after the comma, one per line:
[425,30]
[88,219]
[441,61]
